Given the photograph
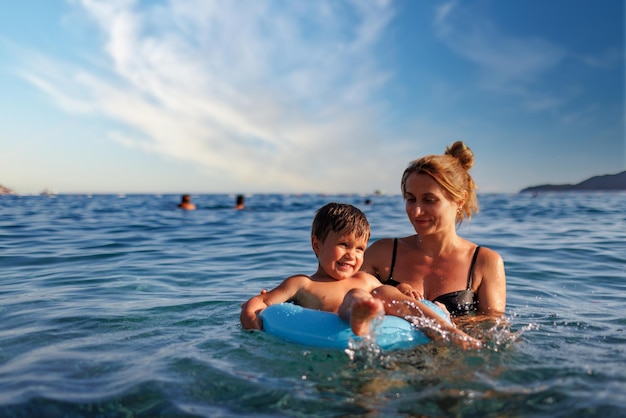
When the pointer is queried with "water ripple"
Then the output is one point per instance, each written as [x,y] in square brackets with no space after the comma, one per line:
[115,306]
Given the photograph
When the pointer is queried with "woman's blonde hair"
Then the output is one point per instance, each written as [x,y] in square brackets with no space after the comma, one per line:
[451,172]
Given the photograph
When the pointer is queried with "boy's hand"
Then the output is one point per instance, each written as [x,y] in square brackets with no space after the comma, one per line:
[249,318]
[409,291]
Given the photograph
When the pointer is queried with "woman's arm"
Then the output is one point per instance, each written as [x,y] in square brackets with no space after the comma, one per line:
[492,288]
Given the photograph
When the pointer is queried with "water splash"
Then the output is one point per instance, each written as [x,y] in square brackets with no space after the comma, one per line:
[429,326]
[364,350]
[495,333]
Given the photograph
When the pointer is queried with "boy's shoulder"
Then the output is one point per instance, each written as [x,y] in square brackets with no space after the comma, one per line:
[366,277]
[298,278]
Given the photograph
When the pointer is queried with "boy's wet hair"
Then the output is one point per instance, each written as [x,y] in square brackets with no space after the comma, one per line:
[340,218]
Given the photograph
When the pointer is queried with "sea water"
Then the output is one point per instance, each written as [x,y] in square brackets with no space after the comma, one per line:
[125,306]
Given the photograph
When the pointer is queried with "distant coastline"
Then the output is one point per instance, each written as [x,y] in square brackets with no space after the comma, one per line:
[609,182]
[5,190]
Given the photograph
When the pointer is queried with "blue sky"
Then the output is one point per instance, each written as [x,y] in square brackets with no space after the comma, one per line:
[199,96]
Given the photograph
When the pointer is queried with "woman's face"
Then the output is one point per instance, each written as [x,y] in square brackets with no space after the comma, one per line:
[429,206]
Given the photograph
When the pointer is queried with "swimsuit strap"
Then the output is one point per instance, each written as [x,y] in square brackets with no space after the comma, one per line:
[393,260]
[471,269]
[390,281]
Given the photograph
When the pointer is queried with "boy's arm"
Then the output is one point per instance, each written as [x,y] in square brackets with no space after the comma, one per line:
[249,316]
[286,291]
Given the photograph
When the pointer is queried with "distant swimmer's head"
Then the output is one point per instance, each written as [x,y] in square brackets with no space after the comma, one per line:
[451,171]
[185,203]
[240,202]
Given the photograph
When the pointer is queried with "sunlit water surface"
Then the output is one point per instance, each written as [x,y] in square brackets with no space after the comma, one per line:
[124,306]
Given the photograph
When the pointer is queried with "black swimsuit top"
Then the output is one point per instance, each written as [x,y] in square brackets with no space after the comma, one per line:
[458,303]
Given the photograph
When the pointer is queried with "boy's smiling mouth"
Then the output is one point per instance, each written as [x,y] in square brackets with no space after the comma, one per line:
[345,265]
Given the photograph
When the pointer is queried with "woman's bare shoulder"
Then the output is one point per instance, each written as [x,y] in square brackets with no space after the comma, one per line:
[382,242]
[386,244]
[379,248]
[378,258]
[489,257]
[490,267]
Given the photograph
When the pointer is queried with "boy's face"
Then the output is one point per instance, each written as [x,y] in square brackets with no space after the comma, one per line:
[340,255]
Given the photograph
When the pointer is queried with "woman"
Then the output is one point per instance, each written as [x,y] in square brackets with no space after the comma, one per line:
[435,263]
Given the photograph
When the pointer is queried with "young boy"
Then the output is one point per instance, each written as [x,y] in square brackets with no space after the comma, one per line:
[339,237]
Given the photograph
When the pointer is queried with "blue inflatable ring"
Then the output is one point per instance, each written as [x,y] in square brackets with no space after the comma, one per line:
[325,329]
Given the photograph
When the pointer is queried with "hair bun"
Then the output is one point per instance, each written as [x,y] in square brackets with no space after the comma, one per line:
[462,153]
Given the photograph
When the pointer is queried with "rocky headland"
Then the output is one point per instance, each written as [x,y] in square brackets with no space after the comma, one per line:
[5,190]
[609,182]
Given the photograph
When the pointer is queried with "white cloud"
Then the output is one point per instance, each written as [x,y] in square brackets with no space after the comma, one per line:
[612,57]
[288,85]
[509,64]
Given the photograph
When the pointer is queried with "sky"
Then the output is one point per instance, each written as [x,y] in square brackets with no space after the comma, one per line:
[337,96]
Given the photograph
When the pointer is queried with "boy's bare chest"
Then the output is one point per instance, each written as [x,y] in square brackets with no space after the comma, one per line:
[326,296]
